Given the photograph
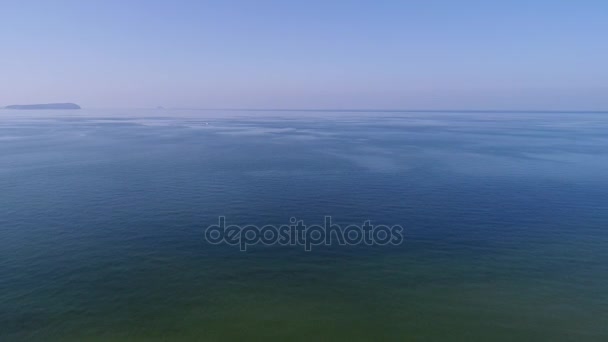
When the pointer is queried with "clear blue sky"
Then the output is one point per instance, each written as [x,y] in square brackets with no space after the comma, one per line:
[535,54]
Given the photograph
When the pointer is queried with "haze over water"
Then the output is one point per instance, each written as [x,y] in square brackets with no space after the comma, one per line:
[102,218]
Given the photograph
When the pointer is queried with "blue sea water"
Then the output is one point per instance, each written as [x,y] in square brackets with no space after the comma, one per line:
[103,212]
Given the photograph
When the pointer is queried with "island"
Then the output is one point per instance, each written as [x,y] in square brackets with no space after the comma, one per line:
[45,106]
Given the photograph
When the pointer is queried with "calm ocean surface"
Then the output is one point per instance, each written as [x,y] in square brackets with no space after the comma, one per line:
[102,218]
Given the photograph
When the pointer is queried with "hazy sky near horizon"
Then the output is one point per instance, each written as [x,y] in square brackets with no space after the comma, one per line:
[535,54]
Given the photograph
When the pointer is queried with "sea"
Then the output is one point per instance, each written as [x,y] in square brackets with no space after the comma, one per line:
[103,214]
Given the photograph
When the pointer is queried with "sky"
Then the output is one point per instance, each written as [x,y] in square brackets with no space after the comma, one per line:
[333,54]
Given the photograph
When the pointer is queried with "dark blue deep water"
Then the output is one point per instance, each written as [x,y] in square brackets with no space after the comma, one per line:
[102,219]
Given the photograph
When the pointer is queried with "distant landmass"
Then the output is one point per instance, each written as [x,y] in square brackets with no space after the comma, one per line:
[45,106]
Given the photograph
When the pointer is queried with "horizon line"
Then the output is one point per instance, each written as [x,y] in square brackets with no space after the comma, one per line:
[391,110]
[345,110]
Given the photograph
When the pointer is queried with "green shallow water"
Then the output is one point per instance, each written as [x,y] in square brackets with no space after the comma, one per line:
[103,214]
